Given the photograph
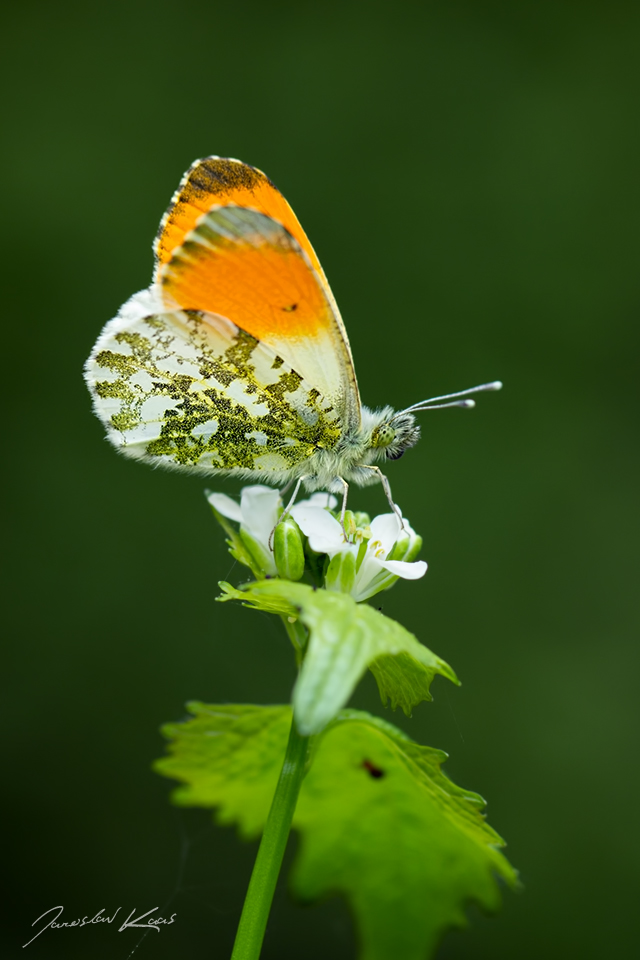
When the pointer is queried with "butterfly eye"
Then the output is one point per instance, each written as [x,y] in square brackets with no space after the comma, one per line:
[383,435]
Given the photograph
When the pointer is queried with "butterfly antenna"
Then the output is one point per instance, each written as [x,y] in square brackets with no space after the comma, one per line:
[434,402]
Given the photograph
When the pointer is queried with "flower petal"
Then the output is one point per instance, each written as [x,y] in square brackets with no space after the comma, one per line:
[324,532]
[226,506]
[408,571]
[260,507]
[319,500]
[386,529]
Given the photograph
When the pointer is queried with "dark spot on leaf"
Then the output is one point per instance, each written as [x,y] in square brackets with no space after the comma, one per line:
[291,308]
[373,771]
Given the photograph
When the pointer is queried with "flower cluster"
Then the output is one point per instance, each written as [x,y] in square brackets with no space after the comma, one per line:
[362,559]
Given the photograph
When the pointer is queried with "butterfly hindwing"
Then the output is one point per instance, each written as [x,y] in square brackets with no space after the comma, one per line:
[191,390]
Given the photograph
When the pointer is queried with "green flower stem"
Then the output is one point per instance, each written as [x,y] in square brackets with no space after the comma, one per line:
[257,904]
[298,636]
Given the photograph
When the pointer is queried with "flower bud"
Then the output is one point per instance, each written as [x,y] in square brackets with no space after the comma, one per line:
[263,562]
[363,546]
[349,525]
[341,572]
[288,549]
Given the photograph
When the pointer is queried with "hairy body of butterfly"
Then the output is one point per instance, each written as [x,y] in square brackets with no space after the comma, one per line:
[236,360]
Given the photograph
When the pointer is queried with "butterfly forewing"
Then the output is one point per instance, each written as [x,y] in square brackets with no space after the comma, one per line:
[245,266]
[217,181]
[220,182]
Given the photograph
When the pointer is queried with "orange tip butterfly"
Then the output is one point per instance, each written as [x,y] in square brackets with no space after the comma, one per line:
[236,360]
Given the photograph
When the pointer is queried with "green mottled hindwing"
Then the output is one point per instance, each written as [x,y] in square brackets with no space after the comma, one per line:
[191,390]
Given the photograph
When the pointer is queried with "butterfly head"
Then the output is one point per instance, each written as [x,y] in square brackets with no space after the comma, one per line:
[395,434]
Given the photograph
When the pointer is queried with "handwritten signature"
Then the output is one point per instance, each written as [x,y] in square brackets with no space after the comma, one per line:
[153,923]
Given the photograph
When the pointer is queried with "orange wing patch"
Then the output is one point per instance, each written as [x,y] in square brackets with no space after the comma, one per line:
[218,181]
[243,265]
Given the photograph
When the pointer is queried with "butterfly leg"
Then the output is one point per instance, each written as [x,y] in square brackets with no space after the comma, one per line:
[285,488]
[345,491]
[387,491]
[287,509]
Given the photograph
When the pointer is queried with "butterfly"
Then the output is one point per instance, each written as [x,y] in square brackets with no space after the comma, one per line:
[236,360]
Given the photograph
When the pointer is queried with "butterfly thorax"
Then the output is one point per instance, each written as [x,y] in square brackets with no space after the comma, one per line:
[380,436]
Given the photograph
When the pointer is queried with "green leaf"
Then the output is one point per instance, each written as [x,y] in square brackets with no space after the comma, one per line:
[382,824]
[379,821]
[231,757]
[345,638]
[269,604]
[402,682]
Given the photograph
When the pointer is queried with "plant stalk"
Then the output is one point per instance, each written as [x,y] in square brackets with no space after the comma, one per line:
[298,636]
[266,869]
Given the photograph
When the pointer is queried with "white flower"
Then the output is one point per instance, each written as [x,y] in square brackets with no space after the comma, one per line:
[369,560]
[361,567]
[320,500]
[257,513]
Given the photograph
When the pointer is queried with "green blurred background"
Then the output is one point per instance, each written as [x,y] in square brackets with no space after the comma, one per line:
[468,174]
